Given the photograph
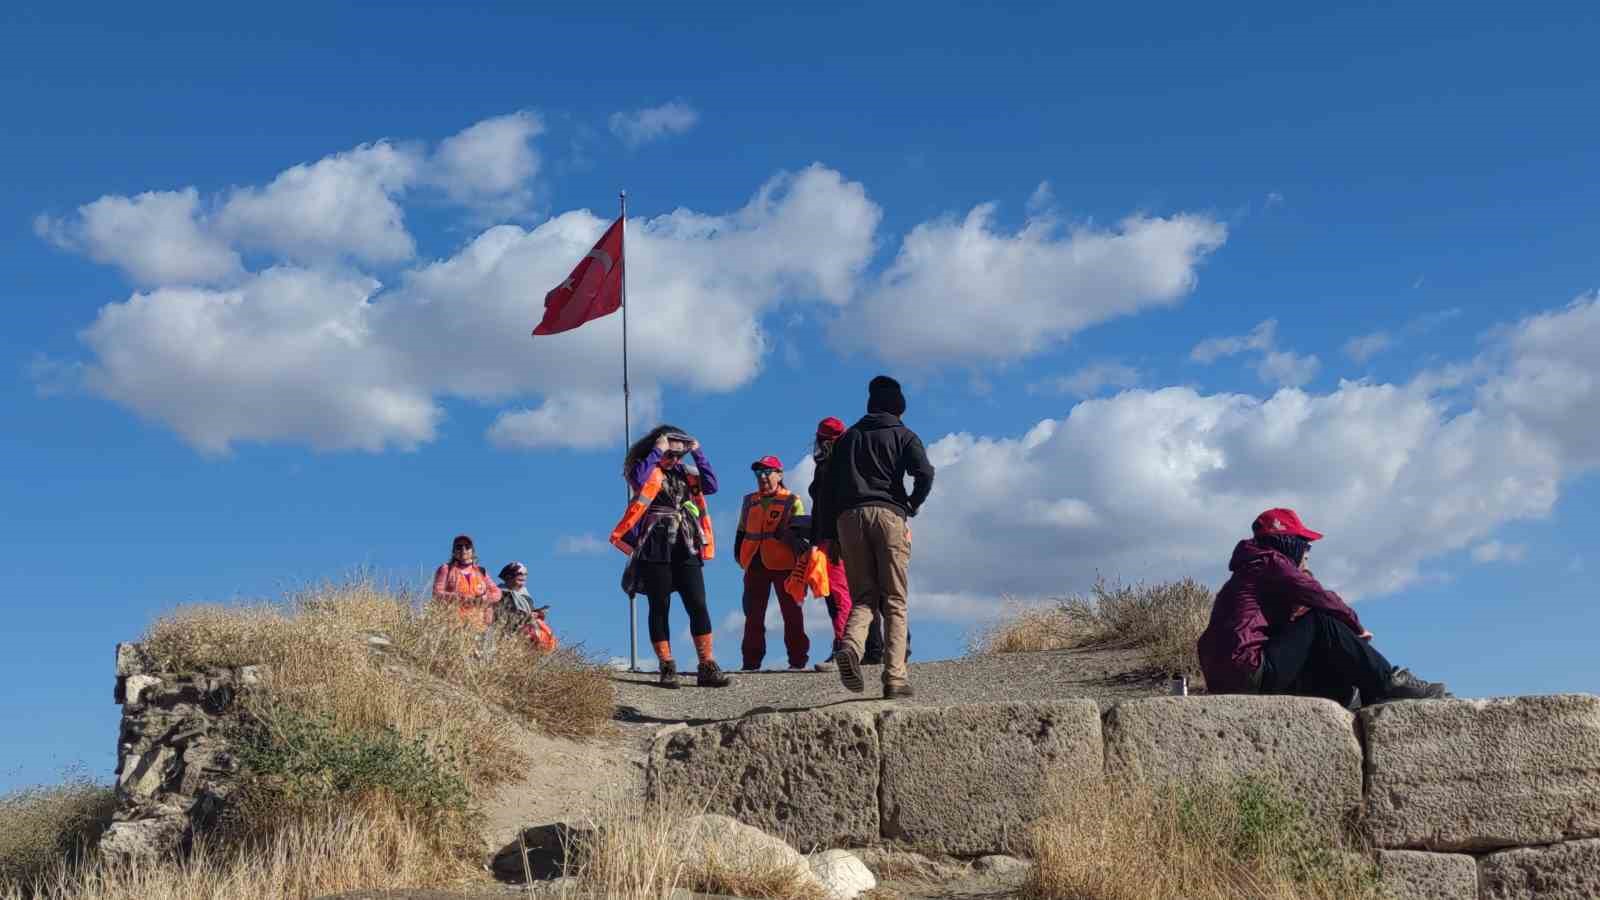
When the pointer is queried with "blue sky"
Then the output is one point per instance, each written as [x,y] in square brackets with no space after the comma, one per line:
[1144,271]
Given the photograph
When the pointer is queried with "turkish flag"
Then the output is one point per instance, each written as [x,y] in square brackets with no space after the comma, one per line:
[594,288]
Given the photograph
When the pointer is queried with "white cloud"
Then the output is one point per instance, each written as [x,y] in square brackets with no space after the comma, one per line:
[1287,369]
[1496,551]
[155,237]
[581,420]
[582,545]
[965,290]
[1366,346]
[641,126]
[1551,382]
[344,204]
[53,377]
[321,357]
[490,164]
[1261,338]
[1277,367]
[1088,381]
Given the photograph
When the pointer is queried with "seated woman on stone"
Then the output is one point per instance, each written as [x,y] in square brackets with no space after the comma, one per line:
[1275,630]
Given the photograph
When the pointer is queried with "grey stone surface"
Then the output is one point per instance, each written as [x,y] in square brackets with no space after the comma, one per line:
[810,778]
[1307,746]
[967,780]
[1414,875]
[1480,775]
[842,874]
[1568,871]
[724,841]
[1000,864]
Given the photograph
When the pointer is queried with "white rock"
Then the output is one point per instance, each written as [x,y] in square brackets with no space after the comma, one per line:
[729,842]
[136,685]
[843,875]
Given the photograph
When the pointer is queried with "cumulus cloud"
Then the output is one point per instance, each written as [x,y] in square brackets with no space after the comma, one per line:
[640,126]
[490,164]
[967,290]
[327,357]
[155,237]
[341,204]
[1088,381]
[1279,367]
[1497,551]
[1160,483]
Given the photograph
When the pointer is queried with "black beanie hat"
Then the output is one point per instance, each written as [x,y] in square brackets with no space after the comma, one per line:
[884,396]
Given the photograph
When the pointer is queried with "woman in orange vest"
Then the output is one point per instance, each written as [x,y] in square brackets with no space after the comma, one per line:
[666,532]
[763,550]
[463,584]
[828,431]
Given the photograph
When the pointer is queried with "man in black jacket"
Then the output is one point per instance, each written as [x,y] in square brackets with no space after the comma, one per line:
[865,505]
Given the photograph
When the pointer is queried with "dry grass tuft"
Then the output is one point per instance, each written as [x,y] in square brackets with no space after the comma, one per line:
[1164,620]
[42,826]
[374,845]
[643,849]
[1203,842]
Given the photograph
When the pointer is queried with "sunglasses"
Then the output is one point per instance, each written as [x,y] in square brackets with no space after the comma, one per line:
[769,472]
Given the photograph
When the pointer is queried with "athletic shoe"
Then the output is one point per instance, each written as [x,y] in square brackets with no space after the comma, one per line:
[1405,686]
[824,666]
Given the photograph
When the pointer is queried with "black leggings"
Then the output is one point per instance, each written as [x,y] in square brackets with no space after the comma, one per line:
[1319,656]
[659,580]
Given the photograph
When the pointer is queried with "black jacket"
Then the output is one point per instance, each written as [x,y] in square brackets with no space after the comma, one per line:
[868,467]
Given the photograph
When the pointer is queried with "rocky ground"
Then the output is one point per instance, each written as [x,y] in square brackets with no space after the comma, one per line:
[569,780]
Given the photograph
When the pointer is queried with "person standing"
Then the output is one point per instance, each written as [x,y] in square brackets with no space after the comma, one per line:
[838,600]
[666,532]
[763,550]
[464,586]
[866,508]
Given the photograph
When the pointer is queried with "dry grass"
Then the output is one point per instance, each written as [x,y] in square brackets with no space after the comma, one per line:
[1164,620]
[1204,842]
[646,849]
[370,845]
[42,826]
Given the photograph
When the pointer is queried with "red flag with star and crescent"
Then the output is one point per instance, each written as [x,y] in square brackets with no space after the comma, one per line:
[594,288]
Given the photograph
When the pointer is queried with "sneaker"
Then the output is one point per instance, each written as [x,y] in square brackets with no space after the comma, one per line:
[898,692]
[749,667]
[711,675]
[669,675]
[849,670]
[824,666]
[1405,686]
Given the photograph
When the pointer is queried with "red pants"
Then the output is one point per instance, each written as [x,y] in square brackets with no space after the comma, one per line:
[759,583]
[839,596]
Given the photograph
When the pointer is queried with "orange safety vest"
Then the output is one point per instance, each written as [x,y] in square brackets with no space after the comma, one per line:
[647,495]
[473,607]
[762,522]
[810,572]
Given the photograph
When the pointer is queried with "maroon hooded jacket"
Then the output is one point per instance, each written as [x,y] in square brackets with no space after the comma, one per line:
[1266,588]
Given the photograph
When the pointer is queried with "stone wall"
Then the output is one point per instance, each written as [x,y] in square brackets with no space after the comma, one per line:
[175,771]
[1461,799]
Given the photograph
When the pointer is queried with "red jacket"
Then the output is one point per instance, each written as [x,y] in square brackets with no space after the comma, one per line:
[1266,588]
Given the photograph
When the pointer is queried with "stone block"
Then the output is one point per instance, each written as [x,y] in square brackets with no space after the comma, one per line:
[1568,871]
[967,780]
[1306,746]
[130,660]
[1413,875]
[810,777]
[1476,775]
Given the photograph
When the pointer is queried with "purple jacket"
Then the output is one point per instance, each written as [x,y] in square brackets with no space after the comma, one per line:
[1266,588]
[636,479]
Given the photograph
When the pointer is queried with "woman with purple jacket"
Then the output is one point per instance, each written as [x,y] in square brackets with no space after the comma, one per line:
[1275,630]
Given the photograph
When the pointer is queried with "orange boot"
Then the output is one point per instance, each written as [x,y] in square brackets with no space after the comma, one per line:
[669,669]
[710,674]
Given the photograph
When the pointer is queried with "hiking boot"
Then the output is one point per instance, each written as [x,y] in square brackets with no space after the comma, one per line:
[711,675]
[849,670]
[898,692]
[669,675]
[1405,686]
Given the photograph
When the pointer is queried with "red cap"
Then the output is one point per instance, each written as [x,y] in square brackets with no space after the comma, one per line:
[1283,521]
[767,462]
[830,428]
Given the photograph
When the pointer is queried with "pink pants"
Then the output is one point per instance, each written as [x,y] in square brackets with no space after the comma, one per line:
[839,598]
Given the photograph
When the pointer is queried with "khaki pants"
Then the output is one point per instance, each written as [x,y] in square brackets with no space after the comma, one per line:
[877,553]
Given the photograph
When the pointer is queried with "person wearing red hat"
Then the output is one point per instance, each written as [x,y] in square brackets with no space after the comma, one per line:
[1275,629]
[763,550]
[838,600]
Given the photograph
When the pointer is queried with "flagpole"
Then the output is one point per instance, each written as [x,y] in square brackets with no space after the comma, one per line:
[627,423]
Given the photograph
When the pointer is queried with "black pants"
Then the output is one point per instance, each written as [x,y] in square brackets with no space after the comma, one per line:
[1319,656]
[659,580]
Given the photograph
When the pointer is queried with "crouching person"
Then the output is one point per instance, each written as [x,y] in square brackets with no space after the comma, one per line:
[1275,630]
